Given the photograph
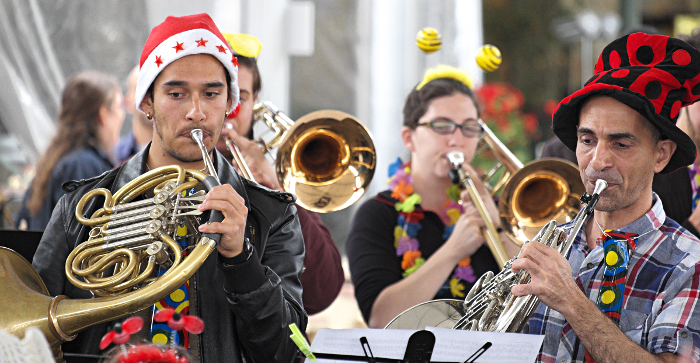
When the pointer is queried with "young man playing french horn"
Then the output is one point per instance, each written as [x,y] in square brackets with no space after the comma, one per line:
[628,290]
[247,293]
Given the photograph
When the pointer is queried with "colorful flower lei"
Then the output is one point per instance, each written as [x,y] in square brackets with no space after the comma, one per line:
[406,230]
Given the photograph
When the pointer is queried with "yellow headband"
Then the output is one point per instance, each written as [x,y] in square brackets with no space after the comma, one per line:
[243,44]
[445,71]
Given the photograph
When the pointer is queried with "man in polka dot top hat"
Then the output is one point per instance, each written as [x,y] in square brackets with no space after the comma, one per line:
[628,289]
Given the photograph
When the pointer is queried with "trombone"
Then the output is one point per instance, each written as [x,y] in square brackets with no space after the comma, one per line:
[531,194]
[326,158]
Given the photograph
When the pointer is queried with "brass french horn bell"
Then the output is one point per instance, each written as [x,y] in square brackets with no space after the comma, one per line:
[130,235]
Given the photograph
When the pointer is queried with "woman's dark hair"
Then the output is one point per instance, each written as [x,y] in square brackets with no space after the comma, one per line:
[418,101]
[83,96]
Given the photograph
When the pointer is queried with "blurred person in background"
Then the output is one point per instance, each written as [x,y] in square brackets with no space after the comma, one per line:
[323,275]
[680,190]
[89,120]
[416,242]
[141,126]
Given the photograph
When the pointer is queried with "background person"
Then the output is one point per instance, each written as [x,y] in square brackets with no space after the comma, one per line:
[141,127]
[400,256]
[323,275]
[680,190]
[91,115]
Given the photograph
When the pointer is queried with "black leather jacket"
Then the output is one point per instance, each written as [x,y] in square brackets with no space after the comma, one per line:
[246,308]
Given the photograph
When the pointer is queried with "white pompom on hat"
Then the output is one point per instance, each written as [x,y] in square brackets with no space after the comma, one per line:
[178,37]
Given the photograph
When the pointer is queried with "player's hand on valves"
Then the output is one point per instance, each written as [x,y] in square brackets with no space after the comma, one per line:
[483,193]
[466,236]
[232,229]
[551,277]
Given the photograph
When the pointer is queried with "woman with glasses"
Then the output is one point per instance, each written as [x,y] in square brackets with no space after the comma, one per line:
[416,242]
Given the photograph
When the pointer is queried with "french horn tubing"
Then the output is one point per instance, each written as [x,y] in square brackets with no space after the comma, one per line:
[131,237]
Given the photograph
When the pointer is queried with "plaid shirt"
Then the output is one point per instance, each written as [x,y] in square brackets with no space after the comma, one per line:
[661,310]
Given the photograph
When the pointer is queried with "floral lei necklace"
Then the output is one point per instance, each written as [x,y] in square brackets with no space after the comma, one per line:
[405,242]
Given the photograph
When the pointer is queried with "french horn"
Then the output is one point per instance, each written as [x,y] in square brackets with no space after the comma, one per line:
[132,235]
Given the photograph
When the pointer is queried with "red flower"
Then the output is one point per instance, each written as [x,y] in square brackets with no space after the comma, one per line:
[550,106]
[178,321]
[530,123]
[122,332]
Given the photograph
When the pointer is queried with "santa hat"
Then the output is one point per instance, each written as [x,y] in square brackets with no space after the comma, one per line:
[655,75]
[178,37]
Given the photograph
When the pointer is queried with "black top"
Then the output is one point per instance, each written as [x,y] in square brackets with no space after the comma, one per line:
[80,164]
[676,194]
[374,264]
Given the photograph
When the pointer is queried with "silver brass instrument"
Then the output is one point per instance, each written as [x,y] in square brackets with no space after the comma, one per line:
[326,158]
[490,306]
[128,241]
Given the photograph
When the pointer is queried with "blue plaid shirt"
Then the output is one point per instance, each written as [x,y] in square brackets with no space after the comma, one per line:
[660,311]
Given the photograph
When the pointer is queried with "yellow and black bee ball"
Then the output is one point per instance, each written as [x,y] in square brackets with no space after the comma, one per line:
[488,58]
[429,40]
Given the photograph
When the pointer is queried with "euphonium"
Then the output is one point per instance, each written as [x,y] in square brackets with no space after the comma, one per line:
[490,306]
[129,239]
[326,158]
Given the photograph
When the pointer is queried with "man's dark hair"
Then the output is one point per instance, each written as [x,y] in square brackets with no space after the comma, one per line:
[251,64]
[418,101]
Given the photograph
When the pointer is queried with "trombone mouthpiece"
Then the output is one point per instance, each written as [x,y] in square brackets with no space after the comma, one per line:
[456,158]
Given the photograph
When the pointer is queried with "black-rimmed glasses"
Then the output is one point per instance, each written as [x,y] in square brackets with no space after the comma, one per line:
[447,127]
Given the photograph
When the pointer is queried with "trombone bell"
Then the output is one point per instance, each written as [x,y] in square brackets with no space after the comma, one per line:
[327,159]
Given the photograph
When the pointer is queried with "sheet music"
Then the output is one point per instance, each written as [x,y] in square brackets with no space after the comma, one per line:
[450,345]
[458,345]
[384,343]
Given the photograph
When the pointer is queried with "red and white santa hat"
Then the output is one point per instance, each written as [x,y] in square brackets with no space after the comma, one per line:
[178,37]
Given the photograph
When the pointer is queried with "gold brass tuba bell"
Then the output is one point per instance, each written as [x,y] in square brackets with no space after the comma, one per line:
[133,238]
[326,158]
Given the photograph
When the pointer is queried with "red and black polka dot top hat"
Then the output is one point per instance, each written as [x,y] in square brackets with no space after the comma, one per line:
[654,74]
